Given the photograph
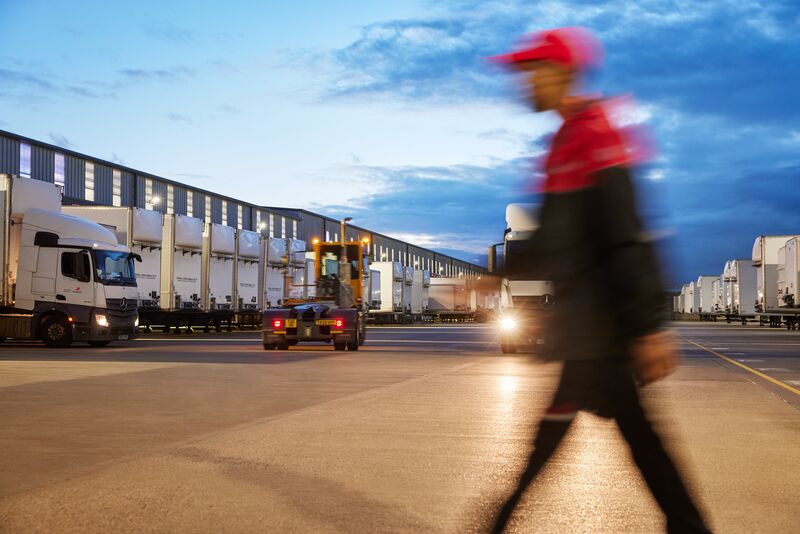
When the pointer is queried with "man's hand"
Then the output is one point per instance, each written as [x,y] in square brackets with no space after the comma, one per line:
[655,356]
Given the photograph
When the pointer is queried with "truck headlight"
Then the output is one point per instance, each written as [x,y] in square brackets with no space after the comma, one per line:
[508,323]
[136,323]
[101,320]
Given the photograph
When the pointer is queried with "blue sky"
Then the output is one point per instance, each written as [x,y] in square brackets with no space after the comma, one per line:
[387,111]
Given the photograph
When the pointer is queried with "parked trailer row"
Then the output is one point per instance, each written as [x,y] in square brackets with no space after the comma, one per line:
[195,274]
[763,287]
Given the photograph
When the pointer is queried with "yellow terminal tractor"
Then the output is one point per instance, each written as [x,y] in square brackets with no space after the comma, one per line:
[337,313]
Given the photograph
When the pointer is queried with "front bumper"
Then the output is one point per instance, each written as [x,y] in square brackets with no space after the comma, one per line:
[119,328]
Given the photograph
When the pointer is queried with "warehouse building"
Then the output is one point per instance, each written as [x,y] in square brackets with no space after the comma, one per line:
[91,181]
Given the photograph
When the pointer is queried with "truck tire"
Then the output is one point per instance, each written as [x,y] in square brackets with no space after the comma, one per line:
[99,343]
[2,339]
[339,346]
[283,346]
[57,332]
[353,345]
[270,346]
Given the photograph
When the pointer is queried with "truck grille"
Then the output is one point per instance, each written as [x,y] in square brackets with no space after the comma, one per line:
[122,307]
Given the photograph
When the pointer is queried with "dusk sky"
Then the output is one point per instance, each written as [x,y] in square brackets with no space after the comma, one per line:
[389,112]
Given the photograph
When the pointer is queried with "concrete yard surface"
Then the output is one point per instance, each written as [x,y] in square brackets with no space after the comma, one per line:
[423,430]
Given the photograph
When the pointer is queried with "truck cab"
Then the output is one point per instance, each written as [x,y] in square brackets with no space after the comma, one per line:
[525,299]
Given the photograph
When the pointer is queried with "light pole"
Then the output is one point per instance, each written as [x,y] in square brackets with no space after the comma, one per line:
[344,264]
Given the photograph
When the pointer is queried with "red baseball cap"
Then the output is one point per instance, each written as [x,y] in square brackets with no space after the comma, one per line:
[572,47]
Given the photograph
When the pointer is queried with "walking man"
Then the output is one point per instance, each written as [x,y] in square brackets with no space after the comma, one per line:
[605,274]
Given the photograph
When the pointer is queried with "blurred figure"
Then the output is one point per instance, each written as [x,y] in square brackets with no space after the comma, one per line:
[607,318]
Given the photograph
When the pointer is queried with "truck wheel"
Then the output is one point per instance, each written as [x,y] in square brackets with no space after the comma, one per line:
[56,332]
[270,346]
[353,345]
[2,339]
[283,346]
[99,343]
[339,346]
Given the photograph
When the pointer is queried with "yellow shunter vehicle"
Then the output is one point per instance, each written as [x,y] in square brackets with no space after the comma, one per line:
[337,314]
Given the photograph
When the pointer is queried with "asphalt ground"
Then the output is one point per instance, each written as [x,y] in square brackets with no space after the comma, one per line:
[423,430]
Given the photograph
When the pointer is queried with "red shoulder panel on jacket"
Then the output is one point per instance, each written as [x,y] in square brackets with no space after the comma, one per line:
[585,144]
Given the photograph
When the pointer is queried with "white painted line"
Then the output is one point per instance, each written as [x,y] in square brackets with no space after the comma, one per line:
[793,382]
[721,348]
[746,360]
[775,369]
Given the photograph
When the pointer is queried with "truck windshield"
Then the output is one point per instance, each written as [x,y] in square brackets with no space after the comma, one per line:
[114,268]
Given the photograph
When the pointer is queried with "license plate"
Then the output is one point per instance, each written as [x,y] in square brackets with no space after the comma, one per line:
[291,323]
[326,322]
[123,337]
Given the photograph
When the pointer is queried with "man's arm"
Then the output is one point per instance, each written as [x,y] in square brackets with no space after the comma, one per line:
[631,270]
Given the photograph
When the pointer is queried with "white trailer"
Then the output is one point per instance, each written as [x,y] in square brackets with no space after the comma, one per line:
[390,281]
[181,275]
[311,278]
[408,283]
[418,287]
[704,296]
[374,289]
[716,290]
[66,278]
[298,284]
[247,276]
[219,251]
[765,260]
[449,299]
[141,231]
[791,298]
[742,287]
[274,283]
[688,304]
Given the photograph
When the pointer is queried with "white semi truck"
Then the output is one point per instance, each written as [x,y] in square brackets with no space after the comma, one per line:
[65,278]
[524,300]
[766,262]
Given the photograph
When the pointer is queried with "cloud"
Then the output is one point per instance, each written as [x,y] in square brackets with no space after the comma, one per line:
[60,140]
[460,208]
[167,75]
[716,81]
[31,85]
[229,109]
[178,117]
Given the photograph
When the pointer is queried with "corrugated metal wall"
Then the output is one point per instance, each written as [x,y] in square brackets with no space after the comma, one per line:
[160,191]
[248,223]
[9,155]
[103,184]
[199,205]
[179,200]
[134,193]
[216,210]
[43,164]
[141,191]
[233,214]
[75,177]
[126,182]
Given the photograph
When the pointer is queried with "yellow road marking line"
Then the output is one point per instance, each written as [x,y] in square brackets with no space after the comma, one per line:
[746,368]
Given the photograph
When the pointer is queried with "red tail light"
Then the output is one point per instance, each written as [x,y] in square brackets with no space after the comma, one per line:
[339,323]
[277,324]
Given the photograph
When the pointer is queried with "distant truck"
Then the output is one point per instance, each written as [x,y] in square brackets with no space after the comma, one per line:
[66,278]
[525,299]
[338,310]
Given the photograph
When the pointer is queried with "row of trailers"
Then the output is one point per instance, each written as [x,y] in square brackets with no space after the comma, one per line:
[402,294]
[208,276]
[763,288]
